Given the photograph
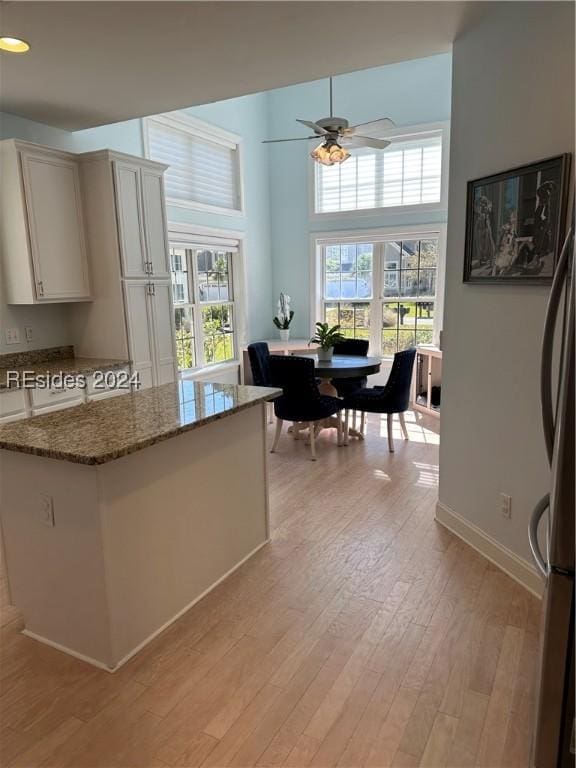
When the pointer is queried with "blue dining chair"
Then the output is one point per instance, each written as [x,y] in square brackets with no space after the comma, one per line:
[355,348]
[301,401]
[345,387]
[259,356]
[390,399]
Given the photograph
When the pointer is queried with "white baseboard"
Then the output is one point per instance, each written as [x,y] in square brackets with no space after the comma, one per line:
[516,567]
[134,651]
[69,651]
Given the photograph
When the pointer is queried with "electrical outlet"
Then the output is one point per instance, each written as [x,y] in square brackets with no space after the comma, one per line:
[506,505]
[47,510]
[28,332]
[12,336]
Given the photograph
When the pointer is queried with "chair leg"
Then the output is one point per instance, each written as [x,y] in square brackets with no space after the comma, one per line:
[346,426]
[362,421]
[270,413]
[353,419]
[403,426]
[390,438]
[279,423]
[340,428]
[312,432]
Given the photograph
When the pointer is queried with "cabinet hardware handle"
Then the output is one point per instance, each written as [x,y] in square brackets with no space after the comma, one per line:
[153,289]
[40,287]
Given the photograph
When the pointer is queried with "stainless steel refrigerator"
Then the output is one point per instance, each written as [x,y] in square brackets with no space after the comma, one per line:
[553,738]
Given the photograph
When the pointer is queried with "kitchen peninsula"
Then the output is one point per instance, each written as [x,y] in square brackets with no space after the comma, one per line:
[118,515]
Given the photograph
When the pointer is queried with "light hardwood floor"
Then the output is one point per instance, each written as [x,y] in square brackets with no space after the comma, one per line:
[363,635]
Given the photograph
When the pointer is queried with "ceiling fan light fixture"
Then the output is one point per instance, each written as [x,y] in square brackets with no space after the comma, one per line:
[330,153]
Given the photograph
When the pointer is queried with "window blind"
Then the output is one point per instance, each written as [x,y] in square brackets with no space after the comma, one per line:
[200,171]
[408,172]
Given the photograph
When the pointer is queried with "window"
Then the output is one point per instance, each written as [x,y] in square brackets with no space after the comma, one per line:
[383,290]
[204,305]
[203,162]
[407,173]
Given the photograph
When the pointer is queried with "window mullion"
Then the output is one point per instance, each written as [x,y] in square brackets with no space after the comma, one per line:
[376,302]
[195,292]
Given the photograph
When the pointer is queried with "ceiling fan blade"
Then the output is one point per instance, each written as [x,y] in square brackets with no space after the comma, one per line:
[365,141]
[299,138]
[375,126]
[315,127]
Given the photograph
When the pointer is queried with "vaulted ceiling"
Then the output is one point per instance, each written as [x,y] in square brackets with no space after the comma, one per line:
[100,62]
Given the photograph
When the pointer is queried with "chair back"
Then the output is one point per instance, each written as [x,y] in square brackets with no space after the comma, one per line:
[259,356]
[295,375]
[397,389]
[355,347]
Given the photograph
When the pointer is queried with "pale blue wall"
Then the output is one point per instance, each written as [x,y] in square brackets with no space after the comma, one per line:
[411,92]
[277,214]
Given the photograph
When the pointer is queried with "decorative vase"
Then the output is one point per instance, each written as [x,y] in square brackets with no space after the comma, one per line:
[325,353]
[284,334]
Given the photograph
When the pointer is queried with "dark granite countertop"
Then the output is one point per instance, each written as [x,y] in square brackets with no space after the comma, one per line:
[101,431]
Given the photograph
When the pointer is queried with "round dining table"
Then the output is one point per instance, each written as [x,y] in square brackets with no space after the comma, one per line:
[342,367]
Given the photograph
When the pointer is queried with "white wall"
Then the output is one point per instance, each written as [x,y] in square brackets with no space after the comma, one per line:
[512,103]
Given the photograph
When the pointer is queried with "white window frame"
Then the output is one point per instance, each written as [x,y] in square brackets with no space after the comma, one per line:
[413,232]
[400,134]
[190,236]
[205,132]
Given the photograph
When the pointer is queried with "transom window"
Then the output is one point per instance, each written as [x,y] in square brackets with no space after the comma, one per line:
[204,169]
[383,291]
[407,173]
[204,307]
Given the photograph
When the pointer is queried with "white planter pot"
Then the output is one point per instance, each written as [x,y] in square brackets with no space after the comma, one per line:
[284,334]
[325,354]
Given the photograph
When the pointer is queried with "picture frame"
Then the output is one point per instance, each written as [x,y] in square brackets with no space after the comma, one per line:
[515,223]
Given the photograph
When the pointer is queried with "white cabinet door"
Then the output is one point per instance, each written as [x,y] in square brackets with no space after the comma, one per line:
[130,219]
[164,347]
[140,330]
[55,225]
[155,222]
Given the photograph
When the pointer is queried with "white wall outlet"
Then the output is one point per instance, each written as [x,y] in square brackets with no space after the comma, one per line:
[12,336]
[47,510]
[506,505]
[28,332]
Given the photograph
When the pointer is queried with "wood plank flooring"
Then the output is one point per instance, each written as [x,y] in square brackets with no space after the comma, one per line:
[363,635]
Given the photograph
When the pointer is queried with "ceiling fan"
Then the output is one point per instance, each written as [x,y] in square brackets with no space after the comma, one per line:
[338,135]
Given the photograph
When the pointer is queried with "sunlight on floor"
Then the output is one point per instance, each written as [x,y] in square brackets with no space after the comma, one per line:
[417,432]
[379,475]
[428,475]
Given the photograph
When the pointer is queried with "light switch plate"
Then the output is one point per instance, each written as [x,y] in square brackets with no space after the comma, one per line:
[47,510]
[28,332]
[12,336]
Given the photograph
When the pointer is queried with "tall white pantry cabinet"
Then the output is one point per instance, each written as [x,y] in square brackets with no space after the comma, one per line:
[131,314]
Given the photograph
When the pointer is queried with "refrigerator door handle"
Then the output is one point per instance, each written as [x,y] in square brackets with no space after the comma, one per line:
[548,346]
[537,514]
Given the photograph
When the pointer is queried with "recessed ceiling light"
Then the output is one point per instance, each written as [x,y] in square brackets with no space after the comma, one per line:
[14,45]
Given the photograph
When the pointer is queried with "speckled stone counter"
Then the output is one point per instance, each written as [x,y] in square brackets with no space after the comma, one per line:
[52,367]
[98,432]
[160,495]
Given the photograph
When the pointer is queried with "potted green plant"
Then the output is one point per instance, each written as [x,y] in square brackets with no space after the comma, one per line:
[326,337]
[284,317]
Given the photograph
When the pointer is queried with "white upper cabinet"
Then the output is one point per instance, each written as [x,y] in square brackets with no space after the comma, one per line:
[41,229]
[130,220]
[141,221]
[155,222]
